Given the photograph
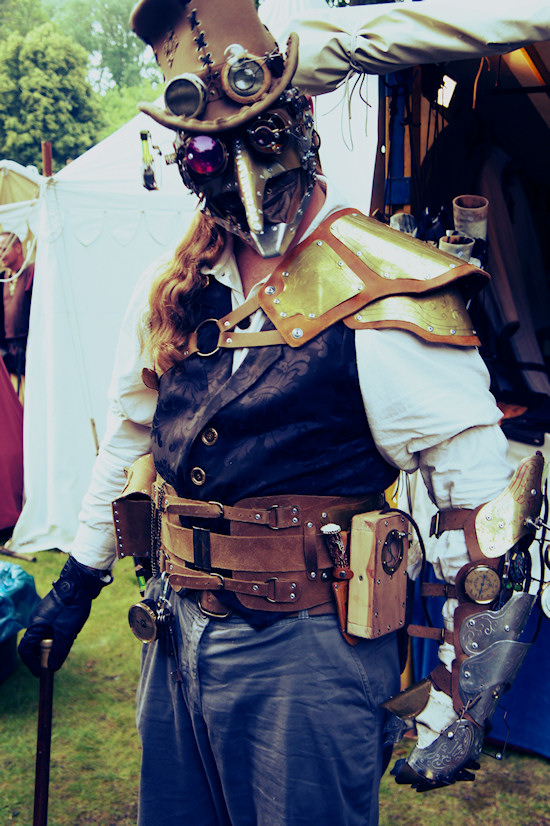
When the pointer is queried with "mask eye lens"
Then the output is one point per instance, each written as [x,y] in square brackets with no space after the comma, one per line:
[205,155]
[268,134]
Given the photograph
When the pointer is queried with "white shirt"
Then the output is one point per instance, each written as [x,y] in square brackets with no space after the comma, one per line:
[428,406]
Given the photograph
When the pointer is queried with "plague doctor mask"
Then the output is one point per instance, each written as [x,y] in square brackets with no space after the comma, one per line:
[245,140]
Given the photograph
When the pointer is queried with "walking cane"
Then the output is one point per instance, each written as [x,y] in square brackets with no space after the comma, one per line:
[44,736]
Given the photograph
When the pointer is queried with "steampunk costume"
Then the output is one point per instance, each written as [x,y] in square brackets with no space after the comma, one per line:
[286,416]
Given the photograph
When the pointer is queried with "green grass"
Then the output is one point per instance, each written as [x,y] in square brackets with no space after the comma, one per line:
[95,750]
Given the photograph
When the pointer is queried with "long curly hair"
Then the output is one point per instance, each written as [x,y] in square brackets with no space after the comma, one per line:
[174,293]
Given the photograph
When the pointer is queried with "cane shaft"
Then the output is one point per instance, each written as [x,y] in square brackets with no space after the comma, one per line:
[43,740]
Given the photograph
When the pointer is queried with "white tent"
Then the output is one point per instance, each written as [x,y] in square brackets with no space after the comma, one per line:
[97,229]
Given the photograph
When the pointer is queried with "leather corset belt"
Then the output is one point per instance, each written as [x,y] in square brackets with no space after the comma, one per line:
[269,551]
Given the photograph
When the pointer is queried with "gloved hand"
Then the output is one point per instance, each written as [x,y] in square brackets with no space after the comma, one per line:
[61,615]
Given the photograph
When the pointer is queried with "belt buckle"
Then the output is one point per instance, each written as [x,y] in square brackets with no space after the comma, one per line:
[213,614]
[274,508]
[274,580]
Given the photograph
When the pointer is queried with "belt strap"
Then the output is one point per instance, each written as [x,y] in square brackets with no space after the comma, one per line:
[438,634]
[438,589]
[452,519]
[272,589]
[275,516]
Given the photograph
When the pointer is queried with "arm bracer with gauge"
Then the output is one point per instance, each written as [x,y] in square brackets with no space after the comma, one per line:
[494,593]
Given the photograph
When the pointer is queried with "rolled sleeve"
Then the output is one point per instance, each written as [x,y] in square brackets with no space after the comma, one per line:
[430,409]
[376,39]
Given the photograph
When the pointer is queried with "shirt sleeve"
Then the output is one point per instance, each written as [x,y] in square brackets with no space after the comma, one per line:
[127,436]
[430,409]
[381,38]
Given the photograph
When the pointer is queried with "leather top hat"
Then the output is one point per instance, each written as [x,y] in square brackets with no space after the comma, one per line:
[221,65]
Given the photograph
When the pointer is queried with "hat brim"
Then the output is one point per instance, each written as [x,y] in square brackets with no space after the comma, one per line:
[242,115]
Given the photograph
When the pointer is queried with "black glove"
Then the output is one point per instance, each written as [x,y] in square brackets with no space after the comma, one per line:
[61,614]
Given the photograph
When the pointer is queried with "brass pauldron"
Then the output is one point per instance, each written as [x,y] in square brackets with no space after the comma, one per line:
[356,269]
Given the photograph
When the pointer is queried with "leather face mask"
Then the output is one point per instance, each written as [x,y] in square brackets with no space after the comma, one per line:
[256,181]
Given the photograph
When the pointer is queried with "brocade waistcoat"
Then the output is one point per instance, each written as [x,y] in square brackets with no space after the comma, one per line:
[288,420]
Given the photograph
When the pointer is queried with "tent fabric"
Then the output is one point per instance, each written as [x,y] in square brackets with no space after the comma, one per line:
[97,228]
[18,183]
[346,119]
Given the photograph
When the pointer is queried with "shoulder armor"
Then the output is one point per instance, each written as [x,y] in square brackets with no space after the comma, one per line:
[371,275]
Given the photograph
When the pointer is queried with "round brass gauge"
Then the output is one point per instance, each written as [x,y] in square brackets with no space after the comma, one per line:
[482,584]
[142,618]
[392,552]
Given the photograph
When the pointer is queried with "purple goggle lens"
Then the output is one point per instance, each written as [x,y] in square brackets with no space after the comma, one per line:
[205,155]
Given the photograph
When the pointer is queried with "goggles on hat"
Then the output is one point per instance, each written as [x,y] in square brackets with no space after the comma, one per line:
[243,78]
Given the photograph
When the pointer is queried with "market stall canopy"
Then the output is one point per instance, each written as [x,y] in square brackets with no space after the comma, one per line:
[18,183]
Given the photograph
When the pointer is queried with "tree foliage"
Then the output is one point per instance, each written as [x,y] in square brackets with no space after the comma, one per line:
[102,28]
[45,96]
[119,105]
[21,16]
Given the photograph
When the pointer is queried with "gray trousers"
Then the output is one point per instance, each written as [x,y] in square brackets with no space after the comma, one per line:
[277,727]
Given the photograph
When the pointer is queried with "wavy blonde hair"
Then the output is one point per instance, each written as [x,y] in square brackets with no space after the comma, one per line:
[173,294]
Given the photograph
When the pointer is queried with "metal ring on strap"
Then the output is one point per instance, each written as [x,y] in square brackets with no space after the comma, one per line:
[212,352]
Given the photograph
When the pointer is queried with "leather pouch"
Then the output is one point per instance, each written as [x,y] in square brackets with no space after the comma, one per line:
[133,510]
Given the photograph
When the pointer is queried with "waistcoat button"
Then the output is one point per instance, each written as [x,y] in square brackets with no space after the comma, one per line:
[209,436]
[198,476]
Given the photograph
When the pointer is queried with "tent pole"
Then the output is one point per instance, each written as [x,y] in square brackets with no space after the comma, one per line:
[46,159]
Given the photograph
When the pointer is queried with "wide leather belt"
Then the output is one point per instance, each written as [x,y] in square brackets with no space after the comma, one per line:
[273,556]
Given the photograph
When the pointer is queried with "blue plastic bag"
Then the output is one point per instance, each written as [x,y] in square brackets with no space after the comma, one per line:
[18,599]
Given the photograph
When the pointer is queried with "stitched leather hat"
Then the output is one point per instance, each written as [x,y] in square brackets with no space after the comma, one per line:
[221,65]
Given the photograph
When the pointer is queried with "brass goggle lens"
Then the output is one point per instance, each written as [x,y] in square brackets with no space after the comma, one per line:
[186,95]
[245,80]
